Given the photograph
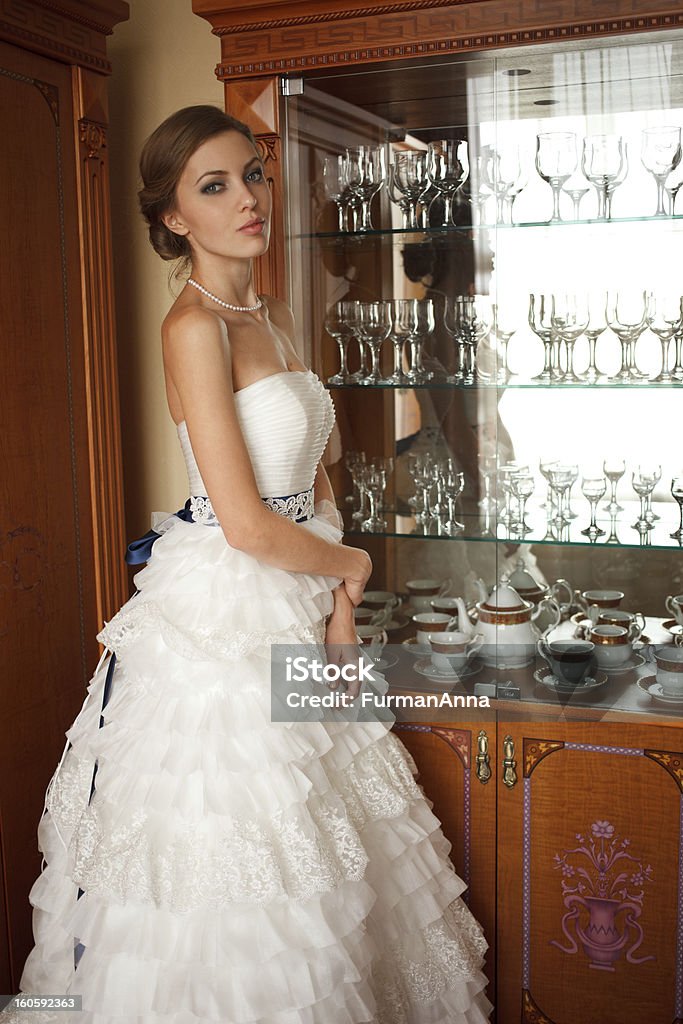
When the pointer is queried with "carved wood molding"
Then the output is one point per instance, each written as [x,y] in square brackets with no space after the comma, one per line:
[672,762]
[93,137]
[299,40]
[60,29]
[536,750]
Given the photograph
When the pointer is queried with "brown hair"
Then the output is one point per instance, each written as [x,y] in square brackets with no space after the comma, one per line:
[162,162]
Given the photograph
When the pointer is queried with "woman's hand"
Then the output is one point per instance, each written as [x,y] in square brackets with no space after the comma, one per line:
[357,575]
[341,644]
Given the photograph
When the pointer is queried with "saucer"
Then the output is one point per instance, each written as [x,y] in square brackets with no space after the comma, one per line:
[634,662]
[650,686]
[400,622]
[673,627]
[545,677]
[426,668]
[416,649]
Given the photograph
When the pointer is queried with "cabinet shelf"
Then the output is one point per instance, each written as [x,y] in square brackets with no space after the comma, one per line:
[512,382]
[486,530]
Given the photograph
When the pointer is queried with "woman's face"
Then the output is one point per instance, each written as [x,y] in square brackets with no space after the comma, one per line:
[223,202]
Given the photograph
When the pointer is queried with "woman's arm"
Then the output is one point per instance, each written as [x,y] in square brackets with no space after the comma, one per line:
[197,356]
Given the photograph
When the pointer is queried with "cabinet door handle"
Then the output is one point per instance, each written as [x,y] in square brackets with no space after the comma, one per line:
[483,759]
[509,763]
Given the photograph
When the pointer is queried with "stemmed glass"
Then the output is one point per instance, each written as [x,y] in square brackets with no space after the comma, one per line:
[672,187]
[576,190]
[477,192]
[421,320]
[447,170]
[664,316]
[614,184]
[352,460]
[555,161]
[503,331]
[338,327]
[399,199]
[569,319]
[597,325]
[335,186]
[614,469]
[400,311]
[465,321]
[593,488]
[453,483]
[500,171]
[602,163]
[677,494]
[644,480]
[365,175]
[540,322]
[488,465]
[422,475]
[353,319]
[375,481]
[625,313]
[545,464]
[522,487]
[562,478]
[374,328]
[660,155]
[410,178]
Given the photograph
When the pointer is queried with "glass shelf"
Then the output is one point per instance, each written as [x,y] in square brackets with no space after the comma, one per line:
[480,528]
[458,229]
[513,382]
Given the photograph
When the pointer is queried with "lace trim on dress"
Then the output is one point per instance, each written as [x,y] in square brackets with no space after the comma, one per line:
[142,616]
[299,507]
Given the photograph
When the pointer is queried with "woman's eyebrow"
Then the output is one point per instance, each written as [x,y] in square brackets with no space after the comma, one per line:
[254,160]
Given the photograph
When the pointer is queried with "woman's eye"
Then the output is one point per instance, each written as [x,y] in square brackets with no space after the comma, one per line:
[255,175]
[212,187]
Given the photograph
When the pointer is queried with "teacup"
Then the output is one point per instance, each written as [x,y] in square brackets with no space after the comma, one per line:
[373,638]
[570,661]
[602,598]
[675,606]
[444,605]
[669,661]
[613,645]
[428,623]
[422,591]
[379,599]
[452,650]
[363,616]
[634,622]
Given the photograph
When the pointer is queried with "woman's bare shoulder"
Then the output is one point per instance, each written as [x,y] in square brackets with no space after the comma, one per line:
[191,324]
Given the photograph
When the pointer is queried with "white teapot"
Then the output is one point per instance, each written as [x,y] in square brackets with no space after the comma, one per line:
[507,624]
[530,589]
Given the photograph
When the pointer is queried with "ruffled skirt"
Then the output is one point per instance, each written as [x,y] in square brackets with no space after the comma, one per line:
[226,869]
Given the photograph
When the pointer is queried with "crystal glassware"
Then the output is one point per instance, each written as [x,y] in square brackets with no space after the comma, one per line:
[374,328]
[561,478]
[403,317]
[447,170]
[453,483]
[365,175]
[522,486]
[503,330]
[677,495]
[602,163]
[335,186]
[555,162]
[664,317]
[410,178]
[569,319]
[613,468]
[625,313]
[660,155]
[644,480]
[422,325]
[545,464]
[540,322]
[399,199]
[338,327]
[597,325]
[672,187]
[593,488]
[488,465]
[576,192]
[352,460]
[375,482]
[500,170]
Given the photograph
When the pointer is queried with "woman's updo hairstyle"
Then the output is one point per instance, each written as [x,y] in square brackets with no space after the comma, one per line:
[162,162]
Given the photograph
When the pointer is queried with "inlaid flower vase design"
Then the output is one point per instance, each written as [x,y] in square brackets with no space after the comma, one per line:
[603,895]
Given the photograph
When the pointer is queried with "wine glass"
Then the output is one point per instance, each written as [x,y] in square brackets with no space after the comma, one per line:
[677,494]
[597,325]
[540,322]
[453,483]
[661,154]
[644,480]
[447,170]
[672,187]
[499,173]
[576,190]
[335,186]
[593,488]
[664,317]
[399,199]
[555,162]
[374,328]
[422,325]
[602,163]
[613,468]
[503,330]
[522,486]
[410,178]
[338,327]
[365,175]
[625,313]
[403,317]
[569,318]
[352,460]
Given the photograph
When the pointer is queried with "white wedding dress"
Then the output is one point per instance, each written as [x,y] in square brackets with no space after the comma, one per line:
[222,868]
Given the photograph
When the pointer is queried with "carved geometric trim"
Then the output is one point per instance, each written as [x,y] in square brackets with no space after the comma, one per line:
[536,750]
[531,1014]
[71,54]
[671,761]
[94,136]
[361,12]
[455,44]
[52,5]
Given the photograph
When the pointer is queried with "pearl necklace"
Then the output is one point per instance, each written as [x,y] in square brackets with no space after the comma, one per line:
[227,305]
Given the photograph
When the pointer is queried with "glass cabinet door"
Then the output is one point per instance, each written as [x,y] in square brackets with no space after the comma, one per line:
[484,258]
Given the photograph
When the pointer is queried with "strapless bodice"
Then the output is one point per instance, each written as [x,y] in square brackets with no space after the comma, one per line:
[286,419]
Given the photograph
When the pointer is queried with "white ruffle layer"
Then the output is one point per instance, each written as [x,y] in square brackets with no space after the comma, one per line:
[238,871]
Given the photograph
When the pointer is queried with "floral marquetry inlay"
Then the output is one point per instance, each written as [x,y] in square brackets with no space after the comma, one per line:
[536,750]
[671,761]
[530,1012]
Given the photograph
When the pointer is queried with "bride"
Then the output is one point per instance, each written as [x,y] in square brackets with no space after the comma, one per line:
[204,864]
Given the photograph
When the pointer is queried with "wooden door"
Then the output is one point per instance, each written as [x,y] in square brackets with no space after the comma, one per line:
[590,880]
[446,757]
[47,569]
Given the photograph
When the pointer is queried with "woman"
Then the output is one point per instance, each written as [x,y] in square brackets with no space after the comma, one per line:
[202,863]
